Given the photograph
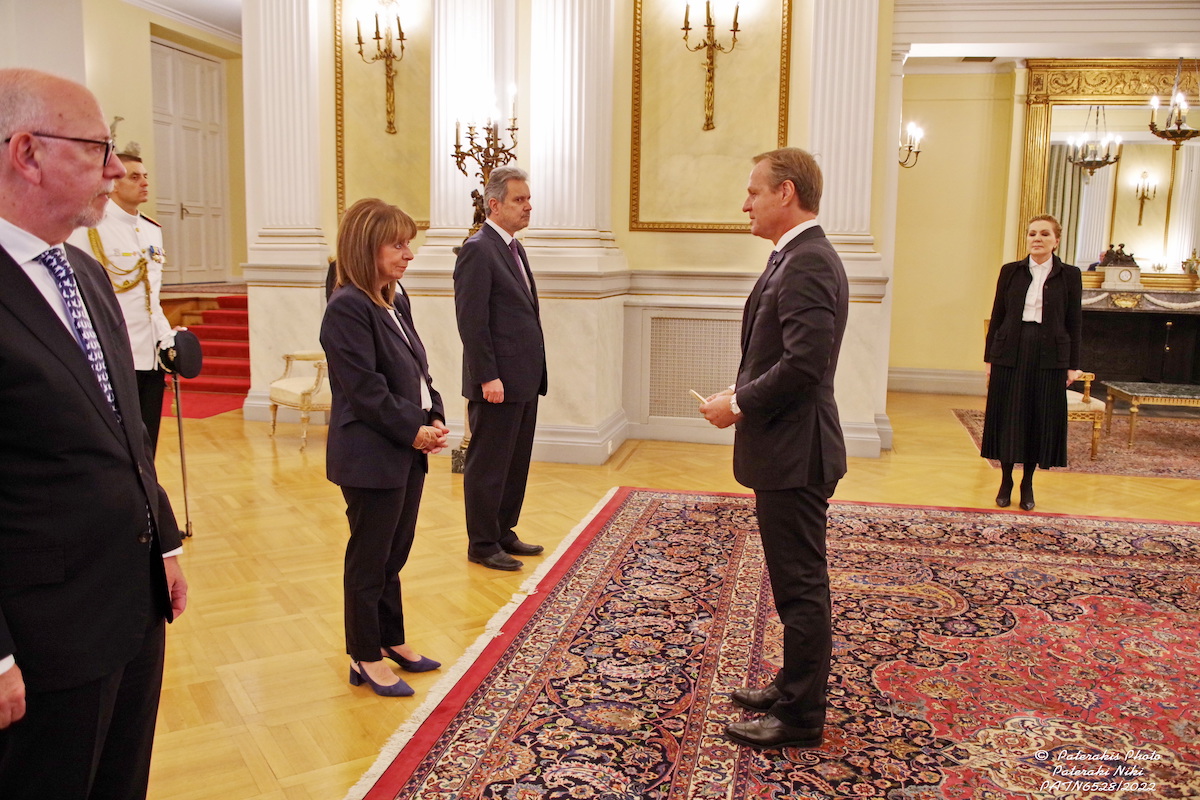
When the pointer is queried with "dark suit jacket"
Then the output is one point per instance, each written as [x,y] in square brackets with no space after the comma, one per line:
[790,435]
[376,380]
[77,588]
[498,320]
[1062,316]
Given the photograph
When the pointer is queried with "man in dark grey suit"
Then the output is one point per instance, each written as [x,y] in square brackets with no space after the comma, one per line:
[504,370]
[88,541]
[788,446]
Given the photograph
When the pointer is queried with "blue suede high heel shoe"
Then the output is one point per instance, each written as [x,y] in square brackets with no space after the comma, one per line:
[423,664]
[358,676]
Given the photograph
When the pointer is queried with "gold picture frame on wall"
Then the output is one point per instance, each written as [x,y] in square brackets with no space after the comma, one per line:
[397,168]
[672,159]
[1070,82]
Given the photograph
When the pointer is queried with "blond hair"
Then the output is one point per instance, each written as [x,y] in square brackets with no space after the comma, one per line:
[799,167]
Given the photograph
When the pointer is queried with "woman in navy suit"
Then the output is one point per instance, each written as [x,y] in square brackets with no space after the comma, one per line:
[385,422]
[1032,355]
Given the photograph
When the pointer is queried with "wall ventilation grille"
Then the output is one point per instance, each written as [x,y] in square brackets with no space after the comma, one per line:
[700,354]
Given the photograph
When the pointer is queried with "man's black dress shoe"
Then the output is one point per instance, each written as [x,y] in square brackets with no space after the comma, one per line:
[770,731]
[496,561]
[519,548]
[756,699]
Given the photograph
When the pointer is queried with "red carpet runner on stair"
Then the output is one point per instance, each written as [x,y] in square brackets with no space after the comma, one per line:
[224,381]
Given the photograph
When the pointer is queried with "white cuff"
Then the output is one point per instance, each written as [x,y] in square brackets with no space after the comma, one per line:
[733,405]
[174,552]
[7,663]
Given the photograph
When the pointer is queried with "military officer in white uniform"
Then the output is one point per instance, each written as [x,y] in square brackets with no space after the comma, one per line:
[130,246]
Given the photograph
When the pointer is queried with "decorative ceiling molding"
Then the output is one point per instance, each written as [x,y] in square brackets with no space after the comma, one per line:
[1037,29]
[222,19]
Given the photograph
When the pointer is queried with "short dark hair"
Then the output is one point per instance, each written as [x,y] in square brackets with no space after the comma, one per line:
[367,226]
[799,167]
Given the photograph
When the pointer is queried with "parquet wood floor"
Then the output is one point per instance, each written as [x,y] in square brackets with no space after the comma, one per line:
[255,701]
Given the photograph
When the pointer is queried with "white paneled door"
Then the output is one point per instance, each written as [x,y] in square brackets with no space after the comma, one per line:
[190,173]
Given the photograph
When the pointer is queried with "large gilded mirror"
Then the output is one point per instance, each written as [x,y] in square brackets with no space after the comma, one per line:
[1160,224]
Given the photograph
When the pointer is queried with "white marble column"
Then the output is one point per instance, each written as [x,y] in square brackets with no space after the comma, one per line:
[466,89]
[22,46]
[842,108]
[570,136]
[288,249]
[1185,215]
[845,42]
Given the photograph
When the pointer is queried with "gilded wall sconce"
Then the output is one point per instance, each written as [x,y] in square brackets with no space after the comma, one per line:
[1146,189]
[910,151]
[385,52]
[710,46]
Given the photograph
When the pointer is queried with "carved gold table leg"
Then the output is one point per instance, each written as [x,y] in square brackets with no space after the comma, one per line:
[1133,412]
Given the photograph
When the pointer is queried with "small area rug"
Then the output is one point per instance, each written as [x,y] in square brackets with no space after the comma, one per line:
[1163,448]
[201,405]
[976,655]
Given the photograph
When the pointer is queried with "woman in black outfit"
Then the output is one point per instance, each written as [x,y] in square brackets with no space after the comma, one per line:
[1032,355]
[386,421]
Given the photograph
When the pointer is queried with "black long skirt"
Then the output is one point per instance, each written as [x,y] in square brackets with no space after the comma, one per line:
[1026,417]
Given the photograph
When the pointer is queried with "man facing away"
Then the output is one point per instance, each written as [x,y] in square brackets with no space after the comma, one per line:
[130,246]
[788,445]
[504,370]
[88,542]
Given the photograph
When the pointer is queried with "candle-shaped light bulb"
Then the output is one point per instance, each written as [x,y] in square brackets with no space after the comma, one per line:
[457,134]
[687,9]
[377,36]
[399,30]
[708,13]
[358,23]
[735,15]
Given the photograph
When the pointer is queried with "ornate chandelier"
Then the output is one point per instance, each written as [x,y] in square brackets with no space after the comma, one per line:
[1093,150]
[1176,131]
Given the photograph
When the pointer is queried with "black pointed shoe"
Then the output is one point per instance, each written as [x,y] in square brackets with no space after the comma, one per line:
[756,699]
[769,731]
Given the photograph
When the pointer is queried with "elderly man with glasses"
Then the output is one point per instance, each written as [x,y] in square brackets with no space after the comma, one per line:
[88,541]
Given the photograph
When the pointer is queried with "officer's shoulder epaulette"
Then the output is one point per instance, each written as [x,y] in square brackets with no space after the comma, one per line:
[150,220]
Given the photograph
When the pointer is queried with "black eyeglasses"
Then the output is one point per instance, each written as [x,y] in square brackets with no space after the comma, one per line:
[108,144]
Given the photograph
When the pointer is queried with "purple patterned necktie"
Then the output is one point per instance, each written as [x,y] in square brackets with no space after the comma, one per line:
[64,278]
[512,247]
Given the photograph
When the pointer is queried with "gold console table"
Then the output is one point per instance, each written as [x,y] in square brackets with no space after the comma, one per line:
[1147,394]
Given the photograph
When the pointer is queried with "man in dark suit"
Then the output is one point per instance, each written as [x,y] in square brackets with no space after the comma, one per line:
[788,445]
[504,370]
[88,541]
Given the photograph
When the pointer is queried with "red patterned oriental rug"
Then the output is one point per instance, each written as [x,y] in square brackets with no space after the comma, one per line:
[1163,447]
[977,655]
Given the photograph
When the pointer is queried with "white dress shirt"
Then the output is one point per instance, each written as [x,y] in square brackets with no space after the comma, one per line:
[1033,298]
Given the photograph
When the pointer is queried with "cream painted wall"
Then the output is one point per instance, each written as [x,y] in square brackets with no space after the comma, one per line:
[394,167]
[950,220]
[117,58]
[653,250]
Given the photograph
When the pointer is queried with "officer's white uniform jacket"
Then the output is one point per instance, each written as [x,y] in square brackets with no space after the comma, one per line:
[126,238]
